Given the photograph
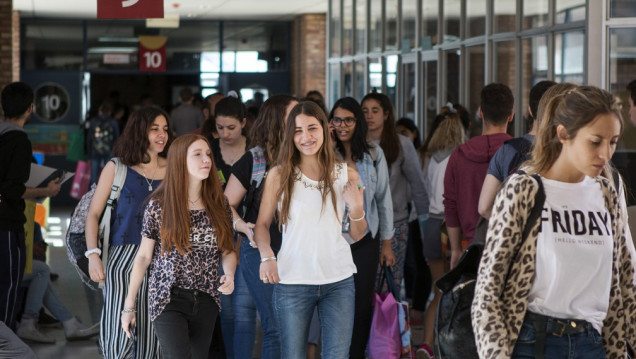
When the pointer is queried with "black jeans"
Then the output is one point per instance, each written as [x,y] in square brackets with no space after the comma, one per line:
[185,326]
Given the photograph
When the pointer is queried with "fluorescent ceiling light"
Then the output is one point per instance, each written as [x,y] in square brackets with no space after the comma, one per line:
[103,50]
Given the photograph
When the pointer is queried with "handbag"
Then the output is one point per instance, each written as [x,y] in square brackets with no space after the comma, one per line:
[385,338]
[76,235]
[82,179]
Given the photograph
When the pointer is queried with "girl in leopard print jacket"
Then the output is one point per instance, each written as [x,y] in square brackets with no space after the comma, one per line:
[567,290]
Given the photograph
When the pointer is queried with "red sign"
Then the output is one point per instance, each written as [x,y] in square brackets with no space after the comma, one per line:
[152,53]
[129,9]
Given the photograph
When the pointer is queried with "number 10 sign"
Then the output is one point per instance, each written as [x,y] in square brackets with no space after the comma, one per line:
[152,53]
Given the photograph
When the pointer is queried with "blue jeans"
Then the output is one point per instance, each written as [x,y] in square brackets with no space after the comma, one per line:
[588,345]
[227,322]
[294,305]
[97,164]
[251,294]
[41,293]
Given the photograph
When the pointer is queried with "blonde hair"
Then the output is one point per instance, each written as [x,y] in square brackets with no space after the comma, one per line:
[572,107]
[449,134]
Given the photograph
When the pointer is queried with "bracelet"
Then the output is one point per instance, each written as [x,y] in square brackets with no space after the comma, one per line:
[129,310]
[357,219]
[268,259]
[234,223]
[91,251]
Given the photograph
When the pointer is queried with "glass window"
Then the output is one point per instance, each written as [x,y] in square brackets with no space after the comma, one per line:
[211,61]
[375,26]
[452,17]
[429,95]
[504,63]
[391,24]
[505,14]
[430,14]
[375,74]
[476,65]
[229,61]
[410,90]
[535,13]
[409,19]
[334,83]
[475,18]
[621,72]
[359,93]
[334,28]
[452,76]
[569,11]
[622,8]
[361,26]
[347,79]
[347,27]
[183,51]
[391,77]
[262,45]
[534,52]
[569,56]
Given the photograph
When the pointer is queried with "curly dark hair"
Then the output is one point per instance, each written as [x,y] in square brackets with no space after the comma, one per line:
[359,144]
[132,145]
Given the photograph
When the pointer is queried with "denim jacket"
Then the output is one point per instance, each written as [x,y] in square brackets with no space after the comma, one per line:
[377,194]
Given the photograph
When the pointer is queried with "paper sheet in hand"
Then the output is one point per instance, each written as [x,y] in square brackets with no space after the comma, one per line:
[42,175]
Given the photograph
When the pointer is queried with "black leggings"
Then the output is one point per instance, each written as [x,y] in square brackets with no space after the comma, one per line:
[366,255]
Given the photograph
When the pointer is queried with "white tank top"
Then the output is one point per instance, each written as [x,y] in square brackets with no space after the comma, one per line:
[313,250]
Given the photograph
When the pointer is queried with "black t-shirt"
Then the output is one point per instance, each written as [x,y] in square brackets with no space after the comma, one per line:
[242,170]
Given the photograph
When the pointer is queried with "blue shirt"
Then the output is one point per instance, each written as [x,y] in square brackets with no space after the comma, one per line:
[506,159]
[127,217]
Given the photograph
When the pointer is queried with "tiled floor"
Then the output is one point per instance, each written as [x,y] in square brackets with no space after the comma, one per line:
[73,294]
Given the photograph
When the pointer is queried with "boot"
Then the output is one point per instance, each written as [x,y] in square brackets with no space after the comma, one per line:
[28,330]
[75,330]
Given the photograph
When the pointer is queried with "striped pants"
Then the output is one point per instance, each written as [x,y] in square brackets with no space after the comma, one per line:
[12,260]
[112,339]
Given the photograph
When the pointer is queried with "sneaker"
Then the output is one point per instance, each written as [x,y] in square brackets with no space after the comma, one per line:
[28,330]
[424,352]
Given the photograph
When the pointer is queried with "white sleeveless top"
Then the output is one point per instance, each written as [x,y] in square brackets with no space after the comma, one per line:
[313,250]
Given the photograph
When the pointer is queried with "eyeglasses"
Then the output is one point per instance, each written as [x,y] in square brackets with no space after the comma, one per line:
[348,121]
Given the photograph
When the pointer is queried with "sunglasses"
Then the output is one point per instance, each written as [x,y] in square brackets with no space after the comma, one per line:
[348,121]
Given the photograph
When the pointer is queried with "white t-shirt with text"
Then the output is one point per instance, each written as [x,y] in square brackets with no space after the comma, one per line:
[574,253]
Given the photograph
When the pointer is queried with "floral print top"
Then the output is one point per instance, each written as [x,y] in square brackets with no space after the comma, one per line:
[198,269]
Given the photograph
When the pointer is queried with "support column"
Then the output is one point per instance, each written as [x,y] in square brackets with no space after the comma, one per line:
[9,44]
[309,48]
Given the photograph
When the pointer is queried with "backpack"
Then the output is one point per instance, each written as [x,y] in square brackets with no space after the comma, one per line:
[76,237]
[259,172]
[103,137]
[454,336]
[523,148]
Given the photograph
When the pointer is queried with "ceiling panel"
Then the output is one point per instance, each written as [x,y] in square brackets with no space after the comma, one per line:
[186,9]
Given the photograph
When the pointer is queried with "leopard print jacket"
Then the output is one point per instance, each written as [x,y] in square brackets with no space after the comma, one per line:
[507,268]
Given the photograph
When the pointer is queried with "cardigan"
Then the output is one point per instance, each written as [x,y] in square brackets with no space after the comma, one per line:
[507,269]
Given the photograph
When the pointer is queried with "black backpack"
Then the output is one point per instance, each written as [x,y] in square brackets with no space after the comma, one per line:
[103,136]
[454,336]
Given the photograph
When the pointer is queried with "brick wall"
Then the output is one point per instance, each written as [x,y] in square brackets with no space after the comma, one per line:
[9,44]
[309,48]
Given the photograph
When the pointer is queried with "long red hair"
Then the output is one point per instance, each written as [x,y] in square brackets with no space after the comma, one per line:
[172,196]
